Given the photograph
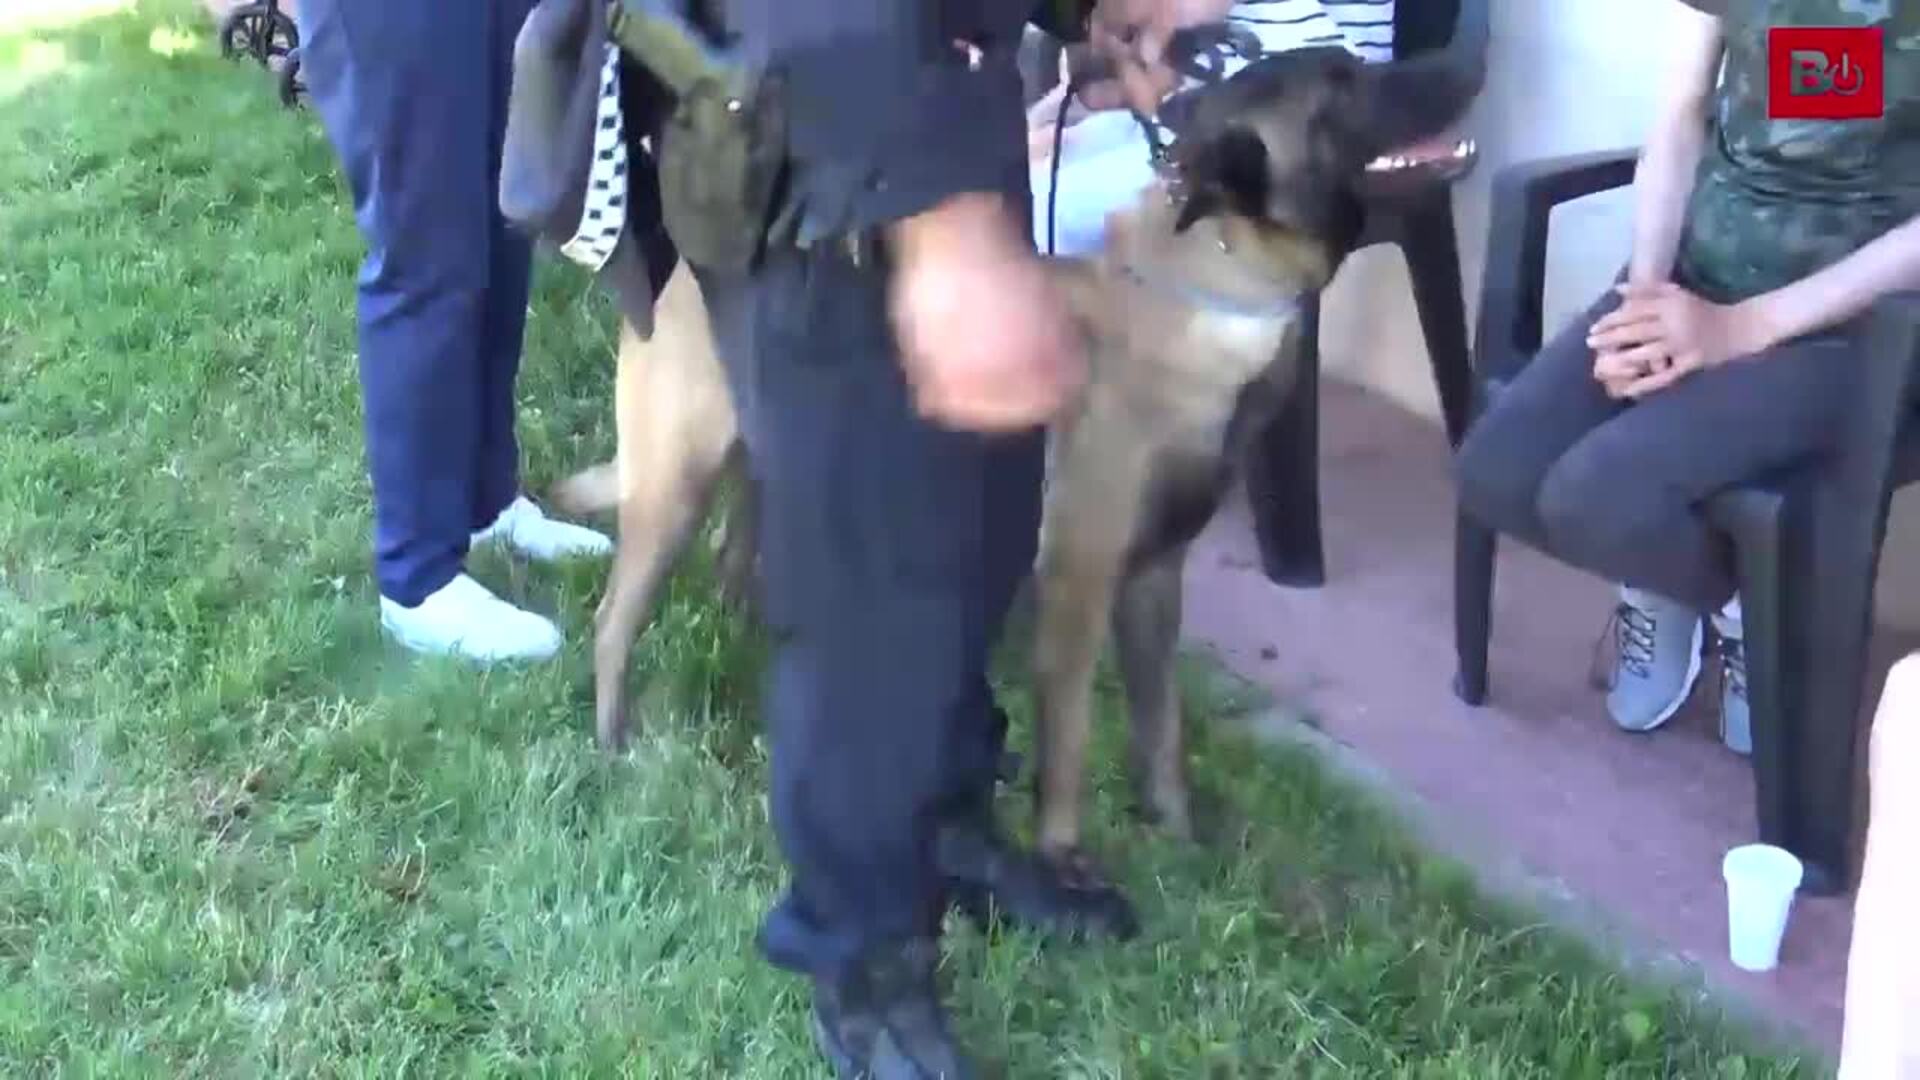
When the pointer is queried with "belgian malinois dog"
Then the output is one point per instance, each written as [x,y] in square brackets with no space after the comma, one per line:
[1191,324]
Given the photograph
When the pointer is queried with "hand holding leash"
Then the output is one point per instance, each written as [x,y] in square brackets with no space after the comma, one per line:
[1139,38]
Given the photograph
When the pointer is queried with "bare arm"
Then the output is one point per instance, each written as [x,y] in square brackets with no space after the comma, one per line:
[1883,970]
[1827,297]
[1664,178]
[1661,332]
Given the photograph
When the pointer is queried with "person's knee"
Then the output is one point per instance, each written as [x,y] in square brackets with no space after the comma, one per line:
[1496,479]
[1596,510]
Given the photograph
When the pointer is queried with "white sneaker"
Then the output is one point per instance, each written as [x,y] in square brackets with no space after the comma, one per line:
[464,619]
[527,529]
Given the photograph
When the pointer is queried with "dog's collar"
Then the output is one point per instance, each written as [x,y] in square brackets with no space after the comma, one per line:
[1210,300]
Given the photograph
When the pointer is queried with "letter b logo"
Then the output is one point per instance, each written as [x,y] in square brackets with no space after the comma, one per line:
[1824,73]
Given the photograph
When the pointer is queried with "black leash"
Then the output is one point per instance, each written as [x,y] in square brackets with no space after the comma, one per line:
[1156,148]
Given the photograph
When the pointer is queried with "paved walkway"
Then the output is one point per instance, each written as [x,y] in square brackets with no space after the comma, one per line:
[1538,781]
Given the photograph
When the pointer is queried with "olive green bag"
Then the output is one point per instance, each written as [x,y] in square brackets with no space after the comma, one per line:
[722,152]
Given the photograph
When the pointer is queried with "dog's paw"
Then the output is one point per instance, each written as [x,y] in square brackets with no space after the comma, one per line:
[1075,870]
[1174,823]
[1167,809]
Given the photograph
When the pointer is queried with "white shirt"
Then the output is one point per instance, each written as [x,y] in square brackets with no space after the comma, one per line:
[1105,161]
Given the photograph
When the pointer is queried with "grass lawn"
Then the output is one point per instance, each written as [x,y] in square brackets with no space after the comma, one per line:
[241,836]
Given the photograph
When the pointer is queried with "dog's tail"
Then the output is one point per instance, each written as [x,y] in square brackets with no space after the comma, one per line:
[592,490]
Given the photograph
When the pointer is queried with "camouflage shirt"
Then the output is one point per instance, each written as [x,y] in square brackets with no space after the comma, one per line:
[1776,200]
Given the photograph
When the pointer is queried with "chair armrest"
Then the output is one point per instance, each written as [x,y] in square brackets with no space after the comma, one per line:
[1513,281]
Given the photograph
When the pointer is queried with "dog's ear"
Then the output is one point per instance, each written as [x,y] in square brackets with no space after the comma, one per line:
[1225,173]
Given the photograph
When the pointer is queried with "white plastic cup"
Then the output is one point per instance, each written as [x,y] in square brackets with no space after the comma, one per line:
[1761,883]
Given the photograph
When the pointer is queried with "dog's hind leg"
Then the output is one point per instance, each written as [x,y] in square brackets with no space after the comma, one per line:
[676,432]
[654,529]
[1146,632]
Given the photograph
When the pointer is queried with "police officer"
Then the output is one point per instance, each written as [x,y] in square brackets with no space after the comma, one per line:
[893,368]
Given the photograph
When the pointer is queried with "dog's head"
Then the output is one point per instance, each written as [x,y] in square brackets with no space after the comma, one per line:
[1285,145]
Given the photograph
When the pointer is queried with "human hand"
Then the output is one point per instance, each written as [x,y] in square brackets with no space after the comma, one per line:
[984,334]
[1661,333]
[1133,35]
[1095,79]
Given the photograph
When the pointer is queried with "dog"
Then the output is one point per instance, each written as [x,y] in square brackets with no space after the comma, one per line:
[1191,318]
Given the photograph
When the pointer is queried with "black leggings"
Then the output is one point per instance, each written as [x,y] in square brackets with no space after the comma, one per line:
[1614,488]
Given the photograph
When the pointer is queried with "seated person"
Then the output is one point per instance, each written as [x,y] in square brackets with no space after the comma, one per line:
[1726,351]
[1105,160]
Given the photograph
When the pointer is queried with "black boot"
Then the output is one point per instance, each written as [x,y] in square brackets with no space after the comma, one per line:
[883,1020]
[987,877]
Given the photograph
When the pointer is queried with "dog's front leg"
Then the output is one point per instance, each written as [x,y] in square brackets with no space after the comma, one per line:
[1075,596]
[1146,632]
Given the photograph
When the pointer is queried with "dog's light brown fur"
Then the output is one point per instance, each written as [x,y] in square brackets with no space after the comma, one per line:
[1163,383]
[676,432]
[1190,341]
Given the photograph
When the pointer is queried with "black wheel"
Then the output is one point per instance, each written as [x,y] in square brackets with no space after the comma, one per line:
[259,30]
[230,30]
[290,86]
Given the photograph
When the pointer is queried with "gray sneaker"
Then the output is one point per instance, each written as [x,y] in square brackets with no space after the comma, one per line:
[1655,659]
[1736,723]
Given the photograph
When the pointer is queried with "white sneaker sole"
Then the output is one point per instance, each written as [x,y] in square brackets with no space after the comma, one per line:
[424,646]
[1694,667]
[559,553]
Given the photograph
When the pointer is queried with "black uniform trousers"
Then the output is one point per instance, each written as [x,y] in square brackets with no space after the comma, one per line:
[891,549]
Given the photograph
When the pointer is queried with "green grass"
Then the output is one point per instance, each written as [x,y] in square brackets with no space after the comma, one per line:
[240,836]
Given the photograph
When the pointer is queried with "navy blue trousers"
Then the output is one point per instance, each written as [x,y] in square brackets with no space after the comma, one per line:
[891,550]
[413,97]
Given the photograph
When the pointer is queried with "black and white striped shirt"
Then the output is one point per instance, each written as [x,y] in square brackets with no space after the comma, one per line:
[1364,27]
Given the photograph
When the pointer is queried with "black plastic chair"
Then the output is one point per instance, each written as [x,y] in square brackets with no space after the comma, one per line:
[1283,473]
[1807,541]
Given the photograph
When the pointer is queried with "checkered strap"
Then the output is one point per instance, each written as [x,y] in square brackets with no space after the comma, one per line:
[603,210]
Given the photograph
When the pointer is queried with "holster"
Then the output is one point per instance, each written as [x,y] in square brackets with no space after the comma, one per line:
[722,150]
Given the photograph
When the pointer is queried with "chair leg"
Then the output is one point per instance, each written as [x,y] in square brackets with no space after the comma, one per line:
[1826,732]
[1283,474]
[1430,243]
[1771,687]
[1474,548]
